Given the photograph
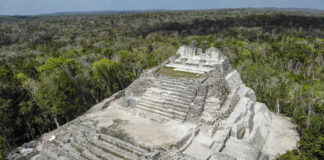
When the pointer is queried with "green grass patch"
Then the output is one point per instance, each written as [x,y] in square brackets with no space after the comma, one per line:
[169,71]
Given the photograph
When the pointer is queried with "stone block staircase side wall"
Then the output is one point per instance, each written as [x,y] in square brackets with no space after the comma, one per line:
[249,123]
[199,101]
[255,123]
[187,139]
[241,117]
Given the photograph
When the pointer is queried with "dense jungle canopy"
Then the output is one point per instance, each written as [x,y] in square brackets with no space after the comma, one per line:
[53,68]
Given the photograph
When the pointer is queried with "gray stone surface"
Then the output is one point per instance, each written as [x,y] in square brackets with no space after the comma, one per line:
[233,80]
[282,136]
[25,152]
[213,116]
[221,156]
[238,129]
[241,150]
[139,86]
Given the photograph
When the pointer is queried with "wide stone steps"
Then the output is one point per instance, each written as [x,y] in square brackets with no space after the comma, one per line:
[73,154]
[180,103]
[177,91]
[181,97]
[89,156]
[54,152]
[164,108]
[114,148]
[169,97]
[51,154]
[184,96]
[175,105]
[173,81]
[126,146]
[95,149]
[119,142]
[162,113]
[85,154]
[190,87]
[178,87]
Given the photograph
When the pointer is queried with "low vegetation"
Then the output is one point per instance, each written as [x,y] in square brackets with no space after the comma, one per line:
[169,71]
[53,68]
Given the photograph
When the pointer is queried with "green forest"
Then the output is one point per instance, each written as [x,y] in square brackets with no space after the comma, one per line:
[53,68]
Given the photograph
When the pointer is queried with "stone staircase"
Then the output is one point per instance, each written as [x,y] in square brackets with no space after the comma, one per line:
[84,142]
[169,97]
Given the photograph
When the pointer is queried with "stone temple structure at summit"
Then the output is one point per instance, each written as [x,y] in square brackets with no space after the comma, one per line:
[193,60]
[193,107]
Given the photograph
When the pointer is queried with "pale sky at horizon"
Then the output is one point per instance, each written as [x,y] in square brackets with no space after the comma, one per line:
[34,7]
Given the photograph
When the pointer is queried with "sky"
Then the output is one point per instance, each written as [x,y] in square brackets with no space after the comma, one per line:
[34,7]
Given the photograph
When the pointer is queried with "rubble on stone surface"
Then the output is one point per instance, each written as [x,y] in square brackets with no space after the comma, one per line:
[209,116]
[26,151]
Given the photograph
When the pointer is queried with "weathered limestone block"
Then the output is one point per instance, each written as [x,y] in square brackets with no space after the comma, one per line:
[260,125]
[241,150]
[262,108]
[251,94]
[262,122]
[248,121]
[240,110]
[238,129]
[220,138]
[246,92]
[257,138]
[233,80]
[221,156]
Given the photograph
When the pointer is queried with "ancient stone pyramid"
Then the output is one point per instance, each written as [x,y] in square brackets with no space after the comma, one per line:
[194,106]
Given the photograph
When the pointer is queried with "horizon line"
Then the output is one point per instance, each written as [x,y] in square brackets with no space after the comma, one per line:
[149,10]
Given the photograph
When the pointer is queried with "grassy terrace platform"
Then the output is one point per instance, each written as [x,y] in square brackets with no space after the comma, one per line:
[168,71]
